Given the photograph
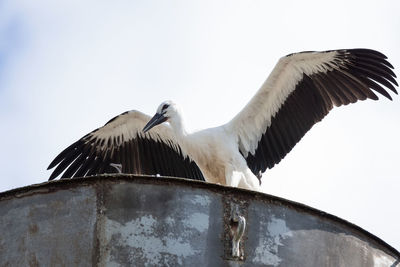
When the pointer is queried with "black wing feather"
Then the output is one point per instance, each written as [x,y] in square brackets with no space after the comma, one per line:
[359,73]
[92,155]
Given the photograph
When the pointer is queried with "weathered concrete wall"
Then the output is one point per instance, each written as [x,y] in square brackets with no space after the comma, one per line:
[146,221]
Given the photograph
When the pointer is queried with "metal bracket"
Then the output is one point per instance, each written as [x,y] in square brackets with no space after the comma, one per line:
[238,226]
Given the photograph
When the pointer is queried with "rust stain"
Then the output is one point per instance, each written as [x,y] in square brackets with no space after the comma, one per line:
[33,228]
[33,262]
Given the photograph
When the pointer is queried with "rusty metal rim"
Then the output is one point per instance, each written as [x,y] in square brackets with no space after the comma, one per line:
[47,187]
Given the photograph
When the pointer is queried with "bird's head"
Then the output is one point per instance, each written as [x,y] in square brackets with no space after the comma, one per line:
[165,111]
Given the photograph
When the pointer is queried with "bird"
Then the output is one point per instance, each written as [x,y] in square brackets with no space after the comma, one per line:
[300,91]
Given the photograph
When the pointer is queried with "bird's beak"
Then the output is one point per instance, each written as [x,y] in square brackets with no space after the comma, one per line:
[156,120]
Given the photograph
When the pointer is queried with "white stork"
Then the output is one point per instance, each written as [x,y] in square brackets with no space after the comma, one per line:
[300,91]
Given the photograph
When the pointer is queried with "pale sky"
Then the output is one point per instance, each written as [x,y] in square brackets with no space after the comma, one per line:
[67,67]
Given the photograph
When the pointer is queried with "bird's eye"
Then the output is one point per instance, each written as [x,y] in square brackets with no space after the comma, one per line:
[164,107]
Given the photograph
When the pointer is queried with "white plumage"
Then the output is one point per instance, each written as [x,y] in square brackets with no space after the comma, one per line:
[300,91]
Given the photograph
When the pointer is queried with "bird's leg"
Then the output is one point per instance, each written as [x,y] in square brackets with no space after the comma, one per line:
[250,181]
[117,166]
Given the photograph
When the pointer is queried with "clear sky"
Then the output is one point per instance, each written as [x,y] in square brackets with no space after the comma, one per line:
[67,67]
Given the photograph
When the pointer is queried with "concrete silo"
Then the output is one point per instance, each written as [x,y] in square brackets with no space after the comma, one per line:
[121,220]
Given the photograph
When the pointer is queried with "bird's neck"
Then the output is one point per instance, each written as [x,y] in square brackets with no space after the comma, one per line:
[183,135]
[179,127]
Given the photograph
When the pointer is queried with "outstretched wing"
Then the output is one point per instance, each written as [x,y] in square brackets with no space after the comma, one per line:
[300,91]
[121,141]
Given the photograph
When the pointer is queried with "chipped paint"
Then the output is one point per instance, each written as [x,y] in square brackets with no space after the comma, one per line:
[384,261]
[267,250]
[201,200]
[198,221]
[139,236]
